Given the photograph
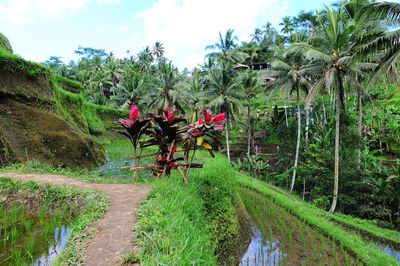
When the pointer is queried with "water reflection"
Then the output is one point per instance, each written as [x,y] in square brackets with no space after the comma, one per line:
[259,253]
[392,252]
[61,235]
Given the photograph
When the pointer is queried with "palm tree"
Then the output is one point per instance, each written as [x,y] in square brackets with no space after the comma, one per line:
[256,36]
[386,46]
[289,75]
[226,49]
[223,94]
[145,58]
[101,81]
[158,50]
[332,52]
[166,92]
[250,85]
[287,25]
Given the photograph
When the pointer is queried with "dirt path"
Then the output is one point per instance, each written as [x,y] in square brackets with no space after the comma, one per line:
[115,228]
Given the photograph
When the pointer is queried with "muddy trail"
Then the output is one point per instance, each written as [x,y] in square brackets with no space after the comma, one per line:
[114,237]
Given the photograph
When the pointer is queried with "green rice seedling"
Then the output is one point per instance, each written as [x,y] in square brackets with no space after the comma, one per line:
[46,231]
[5,237]
[28,227]
[5,220]
[18,258]
[21,211]
[313,247]
[270,236]
[13,235]
[322,240]
[290,240]
[1,211]
[30,248]
[43,212]
[303,240]
[59,215]
[333,248]
[346,259]
[65,210]
[14,213]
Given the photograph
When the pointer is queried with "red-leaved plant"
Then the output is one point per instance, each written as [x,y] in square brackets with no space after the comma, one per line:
[165,133]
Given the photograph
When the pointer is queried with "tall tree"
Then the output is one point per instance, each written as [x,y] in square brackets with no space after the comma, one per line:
[287,25]
[250,85]
[290,76]
[332,52]
[224,94]
[158,50]
[226,49]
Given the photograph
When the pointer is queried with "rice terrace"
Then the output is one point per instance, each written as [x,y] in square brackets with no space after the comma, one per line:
[204,133]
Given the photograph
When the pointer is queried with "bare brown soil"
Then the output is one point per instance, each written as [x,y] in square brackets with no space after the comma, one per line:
[115,235]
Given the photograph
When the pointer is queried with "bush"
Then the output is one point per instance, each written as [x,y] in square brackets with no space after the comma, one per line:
[5,44]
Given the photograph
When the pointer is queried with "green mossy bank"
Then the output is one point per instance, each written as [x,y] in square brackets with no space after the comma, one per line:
[45,117]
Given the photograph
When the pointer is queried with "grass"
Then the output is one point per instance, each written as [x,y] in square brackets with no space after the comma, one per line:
[172,229]
[92,205]
[189,224]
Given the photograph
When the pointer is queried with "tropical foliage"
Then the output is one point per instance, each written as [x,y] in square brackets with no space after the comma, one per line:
[332,76]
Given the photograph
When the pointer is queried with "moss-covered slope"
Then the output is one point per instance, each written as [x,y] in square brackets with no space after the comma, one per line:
[45,117]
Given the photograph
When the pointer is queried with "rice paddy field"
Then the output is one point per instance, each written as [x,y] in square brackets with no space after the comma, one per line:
[287,239]
[287,231]
[120,154]
[27,238]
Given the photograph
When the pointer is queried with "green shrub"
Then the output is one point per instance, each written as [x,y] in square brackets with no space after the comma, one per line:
[5,44]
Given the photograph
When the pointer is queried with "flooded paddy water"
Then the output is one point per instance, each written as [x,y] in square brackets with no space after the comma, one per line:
[34,239]
[118,155]
[280,238]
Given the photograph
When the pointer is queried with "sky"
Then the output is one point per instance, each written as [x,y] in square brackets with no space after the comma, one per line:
[38,29]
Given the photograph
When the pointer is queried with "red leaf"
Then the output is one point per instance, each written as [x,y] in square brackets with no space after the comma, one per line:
[219,128]
[218,119]
[126,122]
[134,115]
[207,116]
[201,121]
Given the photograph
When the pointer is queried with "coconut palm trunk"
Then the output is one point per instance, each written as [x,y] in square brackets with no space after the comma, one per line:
[307,125]
[227,141]
[249,129]
[359,129]
[337,132]
[298,138]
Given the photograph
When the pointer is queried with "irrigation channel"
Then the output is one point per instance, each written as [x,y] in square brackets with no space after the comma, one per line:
[27,238]
[280,238]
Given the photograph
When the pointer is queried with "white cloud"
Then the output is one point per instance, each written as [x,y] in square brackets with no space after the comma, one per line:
[186,27]
[25,11]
